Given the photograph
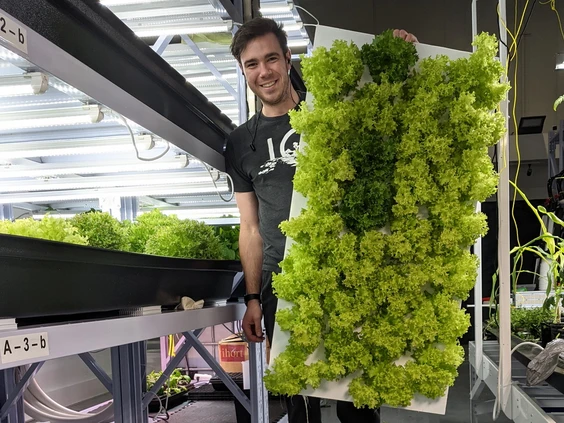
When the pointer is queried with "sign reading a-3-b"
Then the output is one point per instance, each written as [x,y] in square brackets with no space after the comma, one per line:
[13,32]
[24,347]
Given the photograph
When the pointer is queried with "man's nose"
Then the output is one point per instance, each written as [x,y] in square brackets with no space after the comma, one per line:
[264,70]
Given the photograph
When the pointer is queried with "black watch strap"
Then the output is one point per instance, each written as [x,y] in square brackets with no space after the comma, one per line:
[250,297]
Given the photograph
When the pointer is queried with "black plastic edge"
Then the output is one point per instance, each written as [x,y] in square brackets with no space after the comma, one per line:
[92,34]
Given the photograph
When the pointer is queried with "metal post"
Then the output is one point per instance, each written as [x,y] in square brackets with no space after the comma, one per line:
[259,395]
[12,389]
[7,386]
[129,208]
[504,380]
[561,146]
[6,212]
[127,370]
[477,251]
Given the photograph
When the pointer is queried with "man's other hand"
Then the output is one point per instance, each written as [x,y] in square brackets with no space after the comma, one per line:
[404,35]
[252,322]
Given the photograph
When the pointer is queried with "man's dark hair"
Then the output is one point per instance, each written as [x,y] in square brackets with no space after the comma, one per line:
[255,28]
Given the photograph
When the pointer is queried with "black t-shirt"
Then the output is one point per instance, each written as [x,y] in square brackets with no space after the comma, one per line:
[268,172]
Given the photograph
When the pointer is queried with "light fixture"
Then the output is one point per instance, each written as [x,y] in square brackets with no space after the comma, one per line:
[55,215]
[560,61]
[181,28]
[50,117]
[67,147]
[202,213]
[88,182]
[210,78]
[293,26]
[90,194]
[110,3]
[149,11]
[275,7]
[303,42]
[26,84]
[88,168]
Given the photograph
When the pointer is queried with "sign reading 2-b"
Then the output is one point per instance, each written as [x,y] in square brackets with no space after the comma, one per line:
[13,32]
[24,347]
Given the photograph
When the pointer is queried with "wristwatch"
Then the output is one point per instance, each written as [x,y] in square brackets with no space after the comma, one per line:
[250,297]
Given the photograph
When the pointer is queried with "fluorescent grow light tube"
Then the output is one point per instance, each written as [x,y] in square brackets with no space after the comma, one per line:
[27,84]
[304,42]
[151,11]
[67,147]
[88,168]
[275,7]
[50,117]
[182,28]
[52,184]
[110,3]
[210,78]
[90,194]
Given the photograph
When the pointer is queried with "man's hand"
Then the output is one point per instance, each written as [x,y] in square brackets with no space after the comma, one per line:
[400,33]
[252,326]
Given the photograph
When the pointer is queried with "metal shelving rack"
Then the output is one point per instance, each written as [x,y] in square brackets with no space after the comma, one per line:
[126,337]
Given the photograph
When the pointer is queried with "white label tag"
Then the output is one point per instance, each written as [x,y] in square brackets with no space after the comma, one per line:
[13,32]
[24,347]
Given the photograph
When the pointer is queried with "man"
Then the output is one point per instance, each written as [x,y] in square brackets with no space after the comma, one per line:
[260,156]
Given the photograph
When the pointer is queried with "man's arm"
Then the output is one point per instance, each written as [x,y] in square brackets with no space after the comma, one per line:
[250,250]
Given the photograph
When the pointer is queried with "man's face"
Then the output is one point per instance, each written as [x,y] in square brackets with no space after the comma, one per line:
[266,69]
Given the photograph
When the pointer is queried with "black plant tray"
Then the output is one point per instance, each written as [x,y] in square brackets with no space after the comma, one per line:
[46,278]
[556,379]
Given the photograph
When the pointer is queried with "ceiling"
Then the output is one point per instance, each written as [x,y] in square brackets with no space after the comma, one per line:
[62,152]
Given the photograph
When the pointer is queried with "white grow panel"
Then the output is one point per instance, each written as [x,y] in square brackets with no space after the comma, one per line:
[324,37]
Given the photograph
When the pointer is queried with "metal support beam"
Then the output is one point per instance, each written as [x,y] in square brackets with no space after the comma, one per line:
[209,65]
[127,382]
[12,409]
[209,359]
[259,395]
[504,379]
[172,365]
[162,43]
[97,370]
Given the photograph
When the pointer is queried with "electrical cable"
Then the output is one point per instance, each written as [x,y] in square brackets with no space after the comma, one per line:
[166,151]
[309,13]
[552,4]
[145,159]
[227,200]
[41,407]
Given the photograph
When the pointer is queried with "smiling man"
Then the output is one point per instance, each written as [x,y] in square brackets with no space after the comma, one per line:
[261,159]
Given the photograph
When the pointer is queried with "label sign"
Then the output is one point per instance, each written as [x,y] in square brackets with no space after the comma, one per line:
[24,347]
[13,32]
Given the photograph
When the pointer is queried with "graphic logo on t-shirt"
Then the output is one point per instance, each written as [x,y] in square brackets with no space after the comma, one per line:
[287,155]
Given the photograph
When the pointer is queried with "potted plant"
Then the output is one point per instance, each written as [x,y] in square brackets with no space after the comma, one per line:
[552,252]
[173,389]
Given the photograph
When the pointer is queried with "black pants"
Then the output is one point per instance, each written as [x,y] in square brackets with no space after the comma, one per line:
[346,411]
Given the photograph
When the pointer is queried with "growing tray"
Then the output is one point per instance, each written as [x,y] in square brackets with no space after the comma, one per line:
[46,278]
